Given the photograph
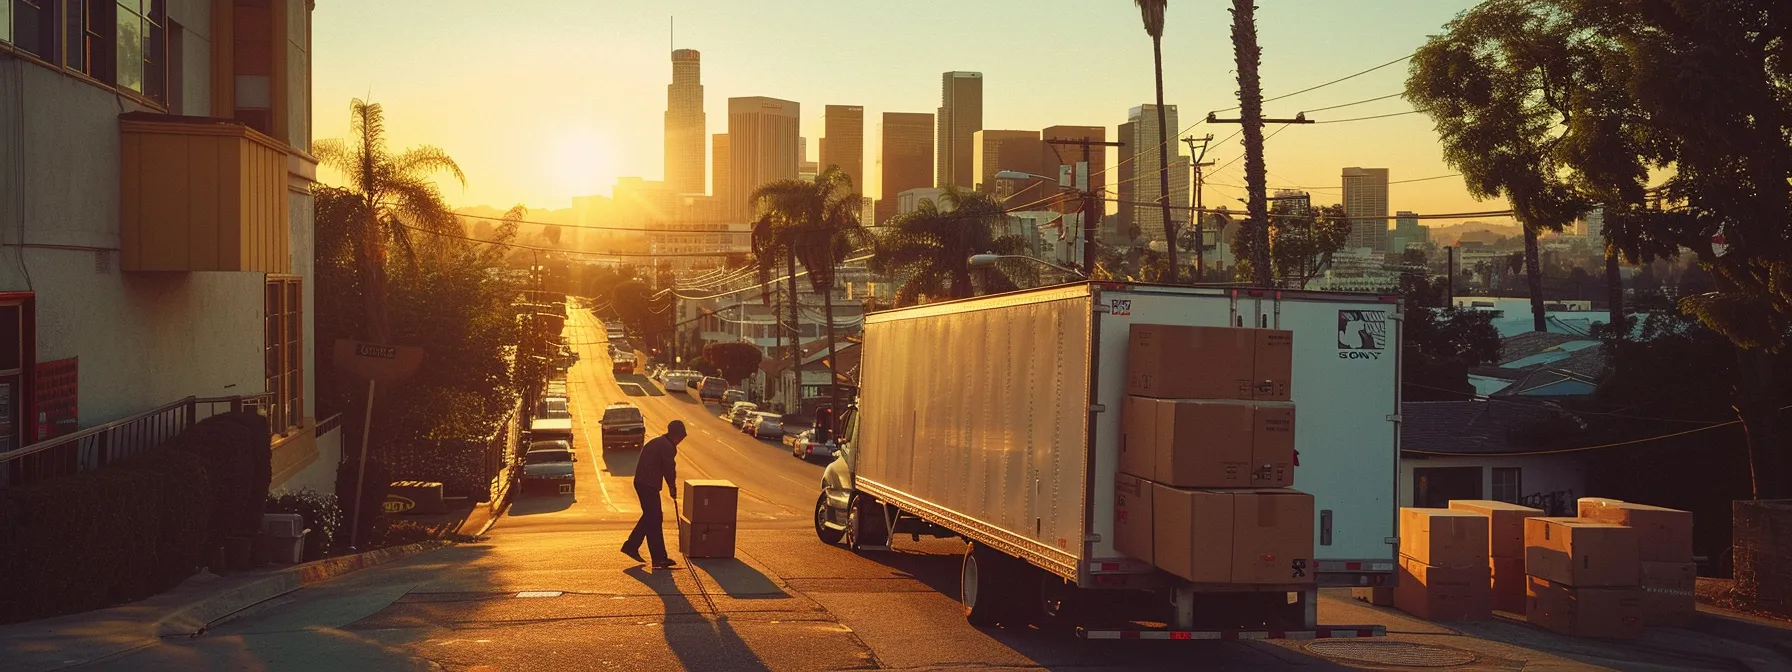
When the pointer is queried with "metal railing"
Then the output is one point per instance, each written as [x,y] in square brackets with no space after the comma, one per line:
[96,447]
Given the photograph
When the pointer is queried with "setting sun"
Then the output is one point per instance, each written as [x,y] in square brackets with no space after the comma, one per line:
[584,161]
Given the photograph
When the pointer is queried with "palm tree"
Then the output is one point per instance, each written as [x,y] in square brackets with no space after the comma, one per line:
[818,224]
[398,200]
[772,242]
[931,247]
[1152,11]
[1250,113]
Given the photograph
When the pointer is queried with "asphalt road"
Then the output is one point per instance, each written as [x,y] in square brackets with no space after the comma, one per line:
[548,589]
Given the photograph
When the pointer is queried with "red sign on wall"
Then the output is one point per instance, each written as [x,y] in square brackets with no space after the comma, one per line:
[57,396]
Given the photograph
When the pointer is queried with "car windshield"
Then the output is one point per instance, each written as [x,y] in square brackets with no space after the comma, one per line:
[622,414]
[554,408]
[547,456]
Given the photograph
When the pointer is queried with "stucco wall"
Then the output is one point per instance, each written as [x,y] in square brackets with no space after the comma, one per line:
[1540,474]
[195,18]
[303,245]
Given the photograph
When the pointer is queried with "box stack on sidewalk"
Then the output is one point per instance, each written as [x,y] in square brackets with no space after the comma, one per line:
[1444,565]
[1664,547]
[1207,455]
[1505,548]
[1583,578]
[706,512]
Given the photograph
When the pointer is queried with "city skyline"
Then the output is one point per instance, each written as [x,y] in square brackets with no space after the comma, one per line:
[555,141]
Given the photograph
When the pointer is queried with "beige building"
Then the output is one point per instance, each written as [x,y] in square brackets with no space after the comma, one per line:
[1141,184]
[719,169]
[960,117]
[1366,197]
[764,145]
[997,151]
[844,142]
[907,161]
[686,125]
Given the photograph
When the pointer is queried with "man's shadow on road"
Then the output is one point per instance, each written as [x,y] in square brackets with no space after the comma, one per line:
[698,642]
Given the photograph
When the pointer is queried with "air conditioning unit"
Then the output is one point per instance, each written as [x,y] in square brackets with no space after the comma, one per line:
[283,525]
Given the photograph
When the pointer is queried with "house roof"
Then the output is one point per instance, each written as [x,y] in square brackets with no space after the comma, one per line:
[1466,426]
[1534,360]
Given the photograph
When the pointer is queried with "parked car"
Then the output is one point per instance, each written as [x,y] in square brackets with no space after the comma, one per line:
[766,425]
[623,364]
[623,426]
[553,406]
[674,381]
[712,388]
[732,396]
[739,411]
[806,447]
[549,463]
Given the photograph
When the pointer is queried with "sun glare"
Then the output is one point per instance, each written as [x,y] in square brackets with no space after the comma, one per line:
[584,162]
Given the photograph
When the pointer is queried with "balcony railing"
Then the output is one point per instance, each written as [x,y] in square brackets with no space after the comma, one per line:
[96,447]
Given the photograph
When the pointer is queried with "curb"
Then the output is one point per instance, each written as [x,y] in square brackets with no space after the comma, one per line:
[195,618]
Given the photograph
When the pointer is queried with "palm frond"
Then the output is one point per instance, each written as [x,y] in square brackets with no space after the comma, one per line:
[427,160]
[1152,11]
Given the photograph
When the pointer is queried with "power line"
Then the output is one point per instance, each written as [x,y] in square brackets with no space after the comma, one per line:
[1615,444]
[1335,81]
[1377,116]
[1360,102]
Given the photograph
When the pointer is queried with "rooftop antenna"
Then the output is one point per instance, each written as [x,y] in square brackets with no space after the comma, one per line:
[671,32]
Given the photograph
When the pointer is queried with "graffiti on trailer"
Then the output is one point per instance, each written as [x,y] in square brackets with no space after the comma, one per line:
[1558,503]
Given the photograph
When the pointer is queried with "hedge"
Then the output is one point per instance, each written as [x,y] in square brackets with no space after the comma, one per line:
[238,452]
[98,538]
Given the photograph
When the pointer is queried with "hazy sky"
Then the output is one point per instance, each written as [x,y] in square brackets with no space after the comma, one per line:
[543,100]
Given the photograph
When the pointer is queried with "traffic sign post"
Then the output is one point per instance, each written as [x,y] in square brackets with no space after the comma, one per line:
[375,362]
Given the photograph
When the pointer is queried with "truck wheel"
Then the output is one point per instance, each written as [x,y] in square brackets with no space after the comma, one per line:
[865,525]
[983,585]
[827,534]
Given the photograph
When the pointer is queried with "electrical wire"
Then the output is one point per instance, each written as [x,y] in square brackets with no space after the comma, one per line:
[1335,81]
[1351,104]
[1377,116]
[1582,449]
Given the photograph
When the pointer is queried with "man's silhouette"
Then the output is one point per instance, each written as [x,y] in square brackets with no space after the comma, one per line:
[658,462]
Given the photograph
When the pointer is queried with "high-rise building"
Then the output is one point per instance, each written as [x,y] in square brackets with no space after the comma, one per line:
[1051,156]
[719,172]
[1408,232]
[907,158]
[1592,224]
[1140,133]
[960,117]
[1366,201]
[1121,225]
[844,142]
[996,151]
[686,124]
[763,145]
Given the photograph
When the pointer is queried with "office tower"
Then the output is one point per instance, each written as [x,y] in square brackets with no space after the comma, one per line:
[686,124]
[719,175]
[960,117]
[1366,201]
[1140,133]
[907,157]
[1051,156]
[763,146]
[1592,224]
[844,142]
[996,151]
[1127,191]
[1407,232]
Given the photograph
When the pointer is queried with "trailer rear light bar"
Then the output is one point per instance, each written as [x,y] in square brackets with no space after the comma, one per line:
[1323,632]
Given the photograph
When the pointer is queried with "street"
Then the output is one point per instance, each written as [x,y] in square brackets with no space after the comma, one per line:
[547,589]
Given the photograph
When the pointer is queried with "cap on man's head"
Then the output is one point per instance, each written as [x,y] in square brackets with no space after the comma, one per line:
[675,427]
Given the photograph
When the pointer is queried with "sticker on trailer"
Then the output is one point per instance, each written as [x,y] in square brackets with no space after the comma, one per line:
[1362,334]
[1120,307]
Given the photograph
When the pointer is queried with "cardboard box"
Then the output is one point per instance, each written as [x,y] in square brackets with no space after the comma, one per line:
[1380,596]
[703,501]
[1505,526]
[1272,536]
[1178,362]
[1668,596]
[1272,447]
[1138,437]
[1613,612]
[1443,593]
[1444,537]
[1132,516]
[1192,532]
[1507,578]
[1581,553]
[1662,534]
[705,540]
[1203,443]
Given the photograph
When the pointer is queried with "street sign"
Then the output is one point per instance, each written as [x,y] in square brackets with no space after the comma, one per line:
[376,361]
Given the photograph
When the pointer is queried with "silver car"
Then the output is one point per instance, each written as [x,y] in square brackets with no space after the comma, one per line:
[739,411]
[765,425]
[549,462]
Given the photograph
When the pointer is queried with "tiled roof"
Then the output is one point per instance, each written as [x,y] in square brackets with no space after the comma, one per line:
[1466,426]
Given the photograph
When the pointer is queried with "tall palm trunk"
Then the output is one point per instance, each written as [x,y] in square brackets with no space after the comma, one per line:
[1614,293]
[827,302]
[1533,275]
[796,328]
[1163,157]
[1250,106]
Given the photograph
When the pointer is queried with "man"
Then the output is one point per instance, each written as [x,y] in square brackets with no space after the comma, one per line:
[658,462]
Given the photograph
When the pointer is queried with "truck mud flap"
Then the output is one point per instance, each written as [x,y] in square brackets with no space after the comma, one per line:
[1322,632]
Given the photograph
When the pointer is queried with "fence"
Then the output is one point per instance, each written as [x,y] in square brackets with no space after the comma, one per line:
[96,447]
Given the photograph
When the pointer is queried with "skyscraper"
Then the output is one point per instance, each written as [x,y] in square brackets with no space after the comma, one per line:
[763,146]
[907,157]
[719,174]
[1141,135]
[1366,197]
[686,124]
[996,151]
[1407,232]
[844,142]
[960,117]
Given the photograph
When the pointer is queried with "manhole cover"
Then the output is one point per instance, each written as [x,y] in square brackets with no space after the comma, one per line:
[1391,653]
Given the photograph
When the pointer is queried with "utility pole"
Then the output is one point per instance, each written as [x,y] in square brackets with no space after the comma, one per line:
[1091,206]
[1200,231]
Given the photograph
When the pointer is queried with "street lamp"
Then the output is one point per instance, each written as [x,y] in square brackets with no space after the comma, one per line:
[1018,175]
[989,259]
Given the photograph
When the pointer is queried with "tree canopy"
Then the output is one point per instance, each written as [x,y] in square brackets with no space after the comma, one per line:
[930,248]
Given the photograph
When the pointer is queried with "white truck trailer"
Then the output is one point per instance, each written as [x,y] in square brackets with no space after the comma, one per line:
[997,419]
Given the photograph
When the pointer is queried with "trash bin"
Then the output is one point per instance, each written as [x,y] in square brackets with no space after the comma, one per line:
[286,536]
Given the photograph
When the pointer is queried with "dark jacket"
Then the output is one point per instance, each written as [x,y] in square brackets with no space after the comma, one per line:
[658,462]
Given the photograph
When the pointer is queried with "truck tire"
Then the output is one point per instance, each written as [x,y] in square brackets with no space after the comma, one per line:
[827,534]
[988,585]
[865,524]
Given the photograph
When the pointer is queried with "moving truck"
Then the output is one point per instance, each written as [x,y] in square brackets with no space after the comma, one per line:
[997,419]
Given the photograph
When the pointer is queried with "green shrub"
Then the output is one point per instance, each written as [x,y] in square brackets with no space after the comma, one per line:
[373,515]
[238,452]
[323,518]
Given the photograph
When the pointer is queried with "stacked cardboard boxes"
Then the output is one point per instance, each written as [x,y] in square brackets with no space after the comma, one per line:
[1444,565]
[1207,455]
[1583,577]
[1664,548]
[1505,548]
[706,512]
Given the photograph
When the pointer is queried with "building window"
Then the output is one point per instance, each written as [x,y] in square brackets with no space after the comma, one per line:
[1507,486]
[29,25]
[284,320]
[142,48]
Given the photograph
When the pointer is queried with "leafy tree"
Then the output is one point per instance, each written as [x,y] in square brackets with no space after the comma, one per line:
[819,221]
[932,248]
[1441,342]
[1302,240]
[735,361]
[1152,12]
[1499,89]
[397,196]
